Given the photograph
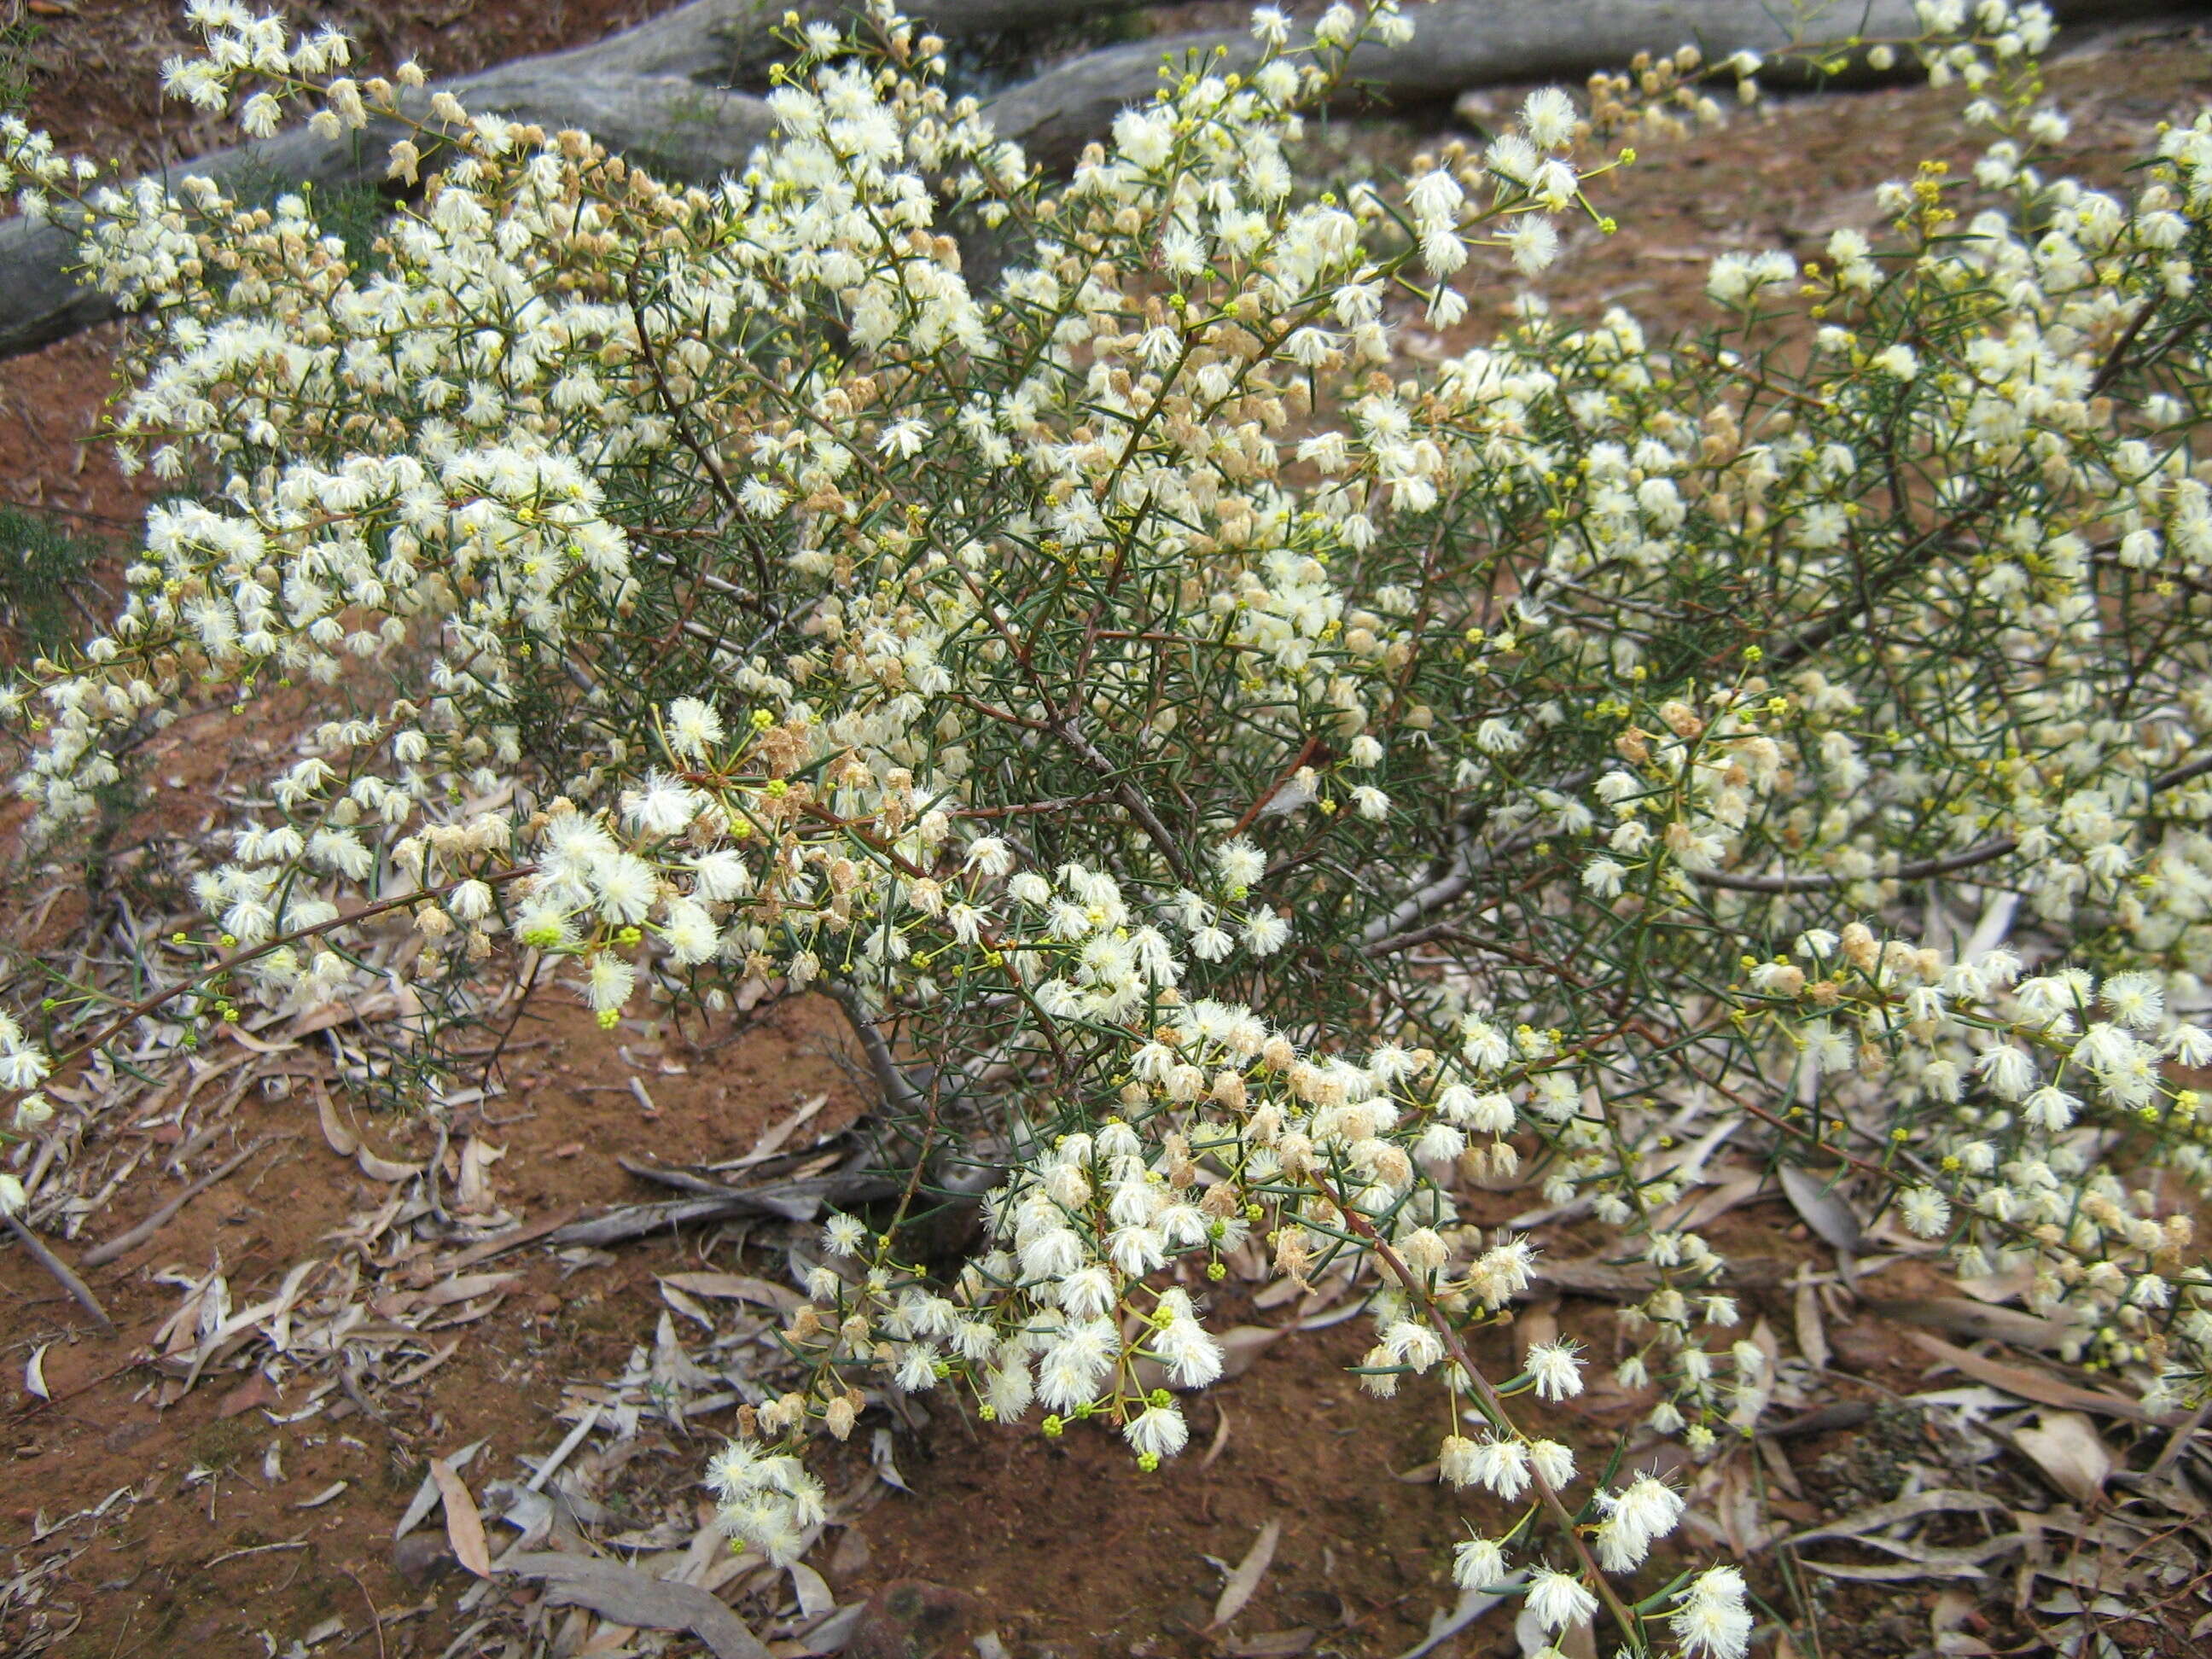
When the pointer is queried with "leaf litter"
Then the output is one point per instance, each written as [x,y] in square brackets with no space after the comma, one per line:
[2025,1482]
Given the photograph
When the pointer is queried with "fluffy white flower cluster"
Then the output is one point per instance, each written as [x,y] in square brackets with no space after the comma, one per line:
[2016,1074]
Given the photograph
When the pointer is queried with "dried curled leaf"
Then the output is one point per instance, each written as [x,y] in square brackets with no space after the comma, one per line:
[383,1168]
[464,1525]
[341,1139]
[1822,1208]
[629,1596]
[2066,1447]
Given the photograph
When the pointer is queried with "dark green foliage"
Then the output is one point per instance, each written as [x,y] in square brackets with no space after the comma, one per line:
[353,212]
[45,574]
[984,63]
[15,39]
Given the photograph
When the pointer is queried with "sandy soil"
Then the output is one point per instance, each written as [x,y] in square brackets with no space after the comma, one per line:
[231,1534]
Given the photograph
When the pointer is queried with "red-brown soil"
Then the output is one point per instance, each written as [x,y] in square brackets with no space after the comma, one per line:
[1066,1547]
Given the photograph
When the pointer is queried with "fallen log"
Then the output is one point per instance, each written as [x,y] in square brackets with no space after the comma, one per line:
[1458,44]
[667,93]
[733,43]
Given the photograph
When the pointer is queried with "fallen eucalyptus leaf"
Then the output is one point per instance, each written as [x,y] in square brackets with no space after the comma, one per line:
[464,1525]
[1922,1561]
[627,1596]
[2041,1388]
[2066,1447]
[735,1287]
[1958,1317]
[1448,1622]
[1822,1208]
[1221,1436]
[1812,1330]
[879,1455]
[1902,1572]
[426,1495]
[1240,1344]
[814,1596]
[467,1287]
[771,1143]
[1245,1579]
[342,1140]
[1271,1644]
[835,1633]
[684,1305]
[1903,1509]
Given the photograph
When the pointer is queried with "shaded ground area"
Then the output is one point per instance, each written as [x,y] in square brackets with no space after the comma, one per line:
[190,1486]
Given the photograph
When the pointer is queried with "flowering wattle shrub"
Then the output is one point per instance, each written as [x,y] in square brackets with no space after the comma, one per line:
[1241,788]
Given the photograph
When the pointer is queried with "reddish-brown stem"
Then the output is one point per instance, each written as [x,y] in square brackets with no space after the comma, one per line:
[989,938]
[1304,755]
[1493,1404]
[146,1005]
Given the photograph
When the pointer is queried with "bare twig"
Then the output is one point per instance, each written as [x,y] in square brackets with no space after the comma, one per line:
[794,1201]
[1493,1405]
[1984,853]
[1140,807]
[375,1618]
[674,411]
[146,1004]
[253,1549]
[898,1088]
[1466,861]
[1919,869]
[1872,588]
[2116,359]
[79,1290]
[131,1238]
[1304,755]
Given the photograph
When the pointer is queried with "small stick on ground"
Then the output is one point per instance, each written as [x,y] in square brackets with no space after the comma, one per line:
[131,1238]
[375,1618]
[253,1549]
[79,1290]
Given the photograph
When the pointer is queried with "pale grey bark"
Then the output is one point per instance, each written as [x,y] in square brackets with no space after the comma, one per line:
[1457,45]
[733,42]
